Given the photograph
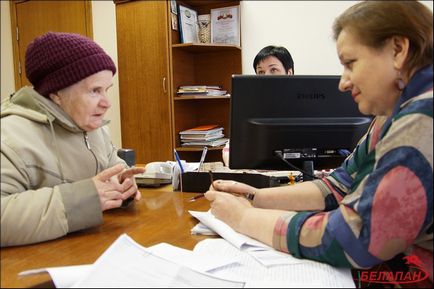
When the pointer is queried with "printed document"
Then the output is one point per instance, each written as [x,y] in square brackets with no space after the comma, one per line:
[305,274]
[127,264]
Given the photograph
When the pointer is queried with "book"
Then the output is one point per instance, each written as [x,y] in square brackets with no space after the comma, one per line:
[211,90]
[211,143]
[186,137]
[203,135]
[203,129]
[202,87]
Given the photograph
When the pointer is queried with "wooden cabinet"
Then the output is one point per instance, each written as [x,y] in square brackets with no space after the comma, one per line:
[153,64]
[143,68]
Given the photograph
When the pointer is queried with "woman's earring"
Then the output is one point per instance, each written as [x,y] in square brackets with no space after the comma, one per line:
[399,82]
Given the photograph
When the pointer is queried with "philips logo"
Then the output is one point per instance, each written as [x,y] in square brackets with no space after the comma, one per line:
[311,96]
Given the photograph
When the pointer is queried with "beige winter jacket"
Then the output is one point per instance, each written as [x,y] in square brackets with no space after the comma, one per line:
[47,163]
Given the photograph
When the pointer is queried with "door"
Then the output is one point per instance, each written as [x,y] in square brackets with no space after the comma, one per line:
[33,18]
[144,92]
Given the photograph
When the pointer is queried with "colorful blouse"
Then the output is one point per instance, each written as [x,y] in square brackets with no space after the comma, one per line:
[379,203]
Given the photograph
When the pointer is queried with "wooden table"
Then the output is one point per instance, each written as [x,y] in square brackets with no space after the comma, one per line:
[160,216]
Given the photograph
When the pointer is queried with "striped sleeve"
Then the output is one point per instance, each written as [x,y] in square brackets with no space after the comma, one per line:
[383,199]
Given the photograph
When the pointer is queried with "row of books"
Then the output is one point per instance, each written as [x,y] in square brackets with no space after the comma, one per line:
[205,135]
[203,90]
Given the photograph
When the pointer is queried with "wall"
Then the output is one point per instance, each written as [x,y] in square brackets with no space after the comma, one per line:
[303,27]
[104,33]
[7,64]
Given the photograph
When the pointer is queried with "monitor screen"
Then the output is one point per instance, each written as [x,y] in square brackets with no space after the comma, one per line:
[303,119]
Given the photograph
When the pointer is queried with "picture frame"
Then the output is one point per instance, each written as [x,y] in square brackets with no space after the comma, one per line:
[173,7]
[225,25]
[188,29]
[174,20]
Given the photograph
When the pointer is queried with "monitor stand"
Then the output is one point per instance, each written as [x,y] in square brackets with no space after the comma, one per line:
[308,168]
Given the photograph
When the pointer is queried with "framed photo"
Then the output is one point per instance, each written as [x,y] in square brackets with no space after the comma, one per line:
[174,21]
[225,25]
[173,7]
[187,25]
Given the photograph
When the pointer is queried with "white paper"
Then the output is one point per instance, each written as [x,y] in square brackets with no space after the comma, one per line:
[191,259]
[67,276]
[127,264]
[305,274]
[263,253]
[63,277]
[235,238]
[225,25]
[201,229]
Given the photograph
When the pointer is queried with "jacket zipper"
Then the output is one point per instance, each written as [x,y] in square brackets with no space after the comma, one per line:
[86,140]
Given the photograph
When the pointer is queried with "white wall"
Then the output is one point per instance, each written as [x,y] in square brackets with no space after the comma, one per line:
[7,64]
[104,33]
[303,27]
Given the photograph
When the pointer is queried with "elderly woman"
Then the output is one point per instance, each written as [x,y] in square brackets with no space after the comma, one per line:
[59,170]
[378,206]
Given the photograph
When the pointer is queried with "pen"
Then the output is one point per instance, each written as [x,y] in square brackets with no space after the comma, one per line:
[202,158]
[178,160]
[196,197]
[203,195]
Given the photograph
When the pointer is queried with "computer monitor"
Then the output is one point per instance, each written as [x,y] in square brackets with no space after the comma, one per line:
[303,120]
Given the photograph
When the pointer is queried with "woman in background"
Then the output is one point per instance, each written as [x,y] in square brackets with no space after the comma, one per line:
[271,60]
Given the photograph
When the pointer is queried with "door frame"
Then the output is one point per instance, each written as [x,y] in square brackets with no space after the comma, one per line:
[15,48]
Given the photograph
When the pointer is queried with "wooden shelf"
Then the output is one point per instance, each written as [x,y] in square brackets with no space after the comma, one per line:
[197,149]
[205,47]
[152,69]
[180,98]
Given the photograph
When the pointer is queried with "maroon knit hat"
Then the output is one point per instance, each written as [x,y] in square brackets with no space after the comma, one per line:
[57,60]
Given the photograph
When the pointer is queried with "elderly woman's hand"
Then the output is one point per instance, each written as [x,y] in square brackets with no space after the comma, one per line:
[116,184]
[227,207]
[127,179]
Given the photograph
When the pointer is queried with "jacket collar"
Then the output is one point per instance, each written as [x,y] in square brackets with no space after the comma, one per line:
[421,82]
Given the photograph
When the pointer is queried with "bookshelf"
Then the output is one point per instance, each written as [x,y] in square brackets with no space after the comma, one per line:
[207,64]
[153,64]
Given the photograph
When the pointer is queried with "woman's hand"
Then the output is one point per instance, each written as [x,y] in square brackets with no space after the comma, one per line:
[116,184]
[232,187]
[228,207]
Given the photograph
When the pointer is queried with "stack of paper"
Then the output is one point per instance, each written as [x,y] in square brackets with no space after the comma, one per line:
[212,263]
[127,264]
[302,274]
[205,135]
[263,266]
[203,90]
